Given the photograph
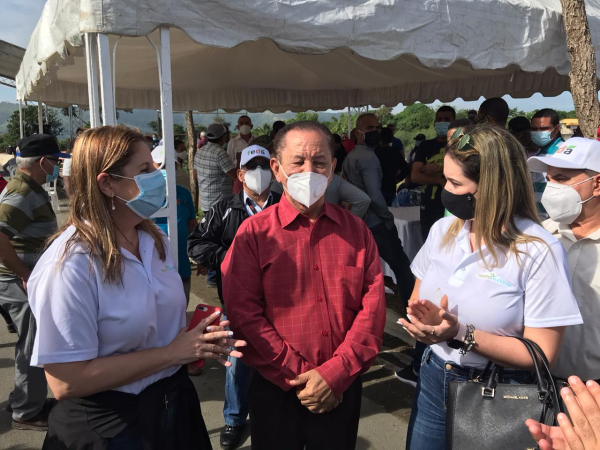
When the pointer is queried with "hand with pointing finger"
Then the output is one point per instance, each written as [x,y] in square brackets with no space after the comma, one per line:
[431,324]
[314,392]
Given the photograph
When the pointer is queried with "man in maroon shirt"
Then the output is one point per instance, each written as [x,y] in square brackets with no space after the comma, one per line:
[302,282]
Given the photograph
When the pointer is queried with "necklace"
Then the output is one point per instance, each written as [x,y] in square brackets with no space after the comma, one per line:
[122,234]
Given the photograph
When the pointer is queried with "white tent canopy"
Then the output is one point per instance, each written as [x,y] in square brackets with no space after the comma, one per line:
[305,54]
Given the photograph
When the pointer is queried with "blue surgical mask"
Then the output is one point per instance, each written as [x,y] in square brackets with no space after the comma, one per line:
[441,128]
[541,138]
[152,196]
[50,177]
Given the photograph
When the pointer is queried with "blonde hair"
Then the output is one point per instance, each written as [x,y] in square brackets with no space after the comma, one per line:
[101,150]
[498,164]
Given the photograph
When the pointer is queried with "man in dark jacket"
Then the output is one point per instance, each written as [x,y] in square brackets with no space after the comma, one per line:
[208,245]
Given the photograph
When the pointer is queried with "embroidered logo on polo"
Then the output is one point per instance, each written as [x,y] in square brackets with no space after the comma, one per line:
[495,278]
[167,268]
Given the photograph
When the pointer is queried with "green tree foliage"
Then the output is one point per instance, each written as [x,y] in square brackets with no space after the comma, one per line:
[30,125]
[262,130]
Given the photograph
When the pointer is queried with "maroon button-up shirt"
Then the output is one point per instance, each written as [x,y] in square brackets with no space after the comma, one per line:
[305,295]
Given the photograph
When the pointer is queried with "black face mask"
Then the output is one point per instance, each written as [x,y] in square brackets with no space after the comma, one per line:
[372,138]
[462,206]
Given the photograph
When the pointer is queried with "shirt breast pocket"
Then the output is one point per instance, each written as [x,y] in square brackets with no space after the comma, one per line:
[351,285]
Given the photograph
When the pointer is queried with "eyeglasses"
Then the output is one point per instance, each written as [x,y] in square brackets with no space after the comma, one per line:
[253,165]
[466,141]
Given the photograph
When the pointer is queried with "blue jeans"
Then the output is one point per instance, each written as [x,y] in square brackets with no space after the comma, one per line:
[427,425]
[237,381]
[211,276]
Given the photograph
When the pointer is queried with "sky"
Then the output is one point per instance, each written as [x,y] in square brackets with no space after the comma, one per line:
[20,18]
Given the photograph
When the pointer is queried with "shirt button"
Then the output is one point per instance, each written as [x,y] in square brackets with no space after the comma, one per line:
[448,366]
[316,267]
[576,246]
[324,333]
[319,299]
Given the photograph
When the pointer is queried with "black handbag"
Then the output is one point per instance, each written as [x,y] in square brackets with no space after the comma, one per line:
[491,415]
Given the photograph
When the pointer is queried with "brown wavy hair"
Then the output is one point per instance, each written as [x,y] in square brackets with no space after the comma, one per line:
[497,162]
[101,150]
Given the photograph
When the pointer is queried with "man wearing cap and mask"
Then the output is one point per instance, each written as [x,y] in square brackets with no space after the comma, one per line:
[363,170]
[572,200]
[208,245]
[303,283]
[26,222]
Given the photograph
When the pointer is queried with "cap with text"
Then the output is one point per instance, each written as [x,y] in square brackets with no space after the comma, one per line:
[254,151]
[576,153]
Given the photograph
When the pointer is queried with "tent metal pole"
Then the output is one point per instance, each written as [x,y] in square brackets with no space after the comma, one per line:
[20,119]
[40,117]
[91,55]
[349,121]
[70,121]
[166,107]
[106,88]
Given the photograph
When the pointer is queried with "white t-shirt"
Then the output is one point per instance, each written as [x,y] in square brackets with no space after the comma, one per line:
[503,300]
[81,317]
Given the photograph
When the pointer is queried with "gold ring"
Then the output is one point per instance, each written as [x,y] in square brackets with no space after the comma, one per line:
[432,331]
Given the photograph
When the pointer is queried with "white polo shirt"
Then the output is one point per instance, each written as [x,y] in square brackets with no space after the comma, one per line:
[235,146]
[503,300]
[81,317]
[580,352]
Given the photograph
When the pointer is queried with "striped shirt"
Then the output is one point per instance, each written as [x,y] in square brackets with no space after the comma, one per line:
[27,218]
[212,164]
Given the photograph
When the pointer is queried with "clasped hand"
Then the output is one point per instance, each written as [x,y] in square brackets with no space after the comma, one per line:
[430,324]
[195,344]
[314,392]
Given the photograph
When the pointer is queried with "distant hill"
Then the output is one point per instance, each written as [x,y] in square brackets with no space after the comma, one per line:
[140,118]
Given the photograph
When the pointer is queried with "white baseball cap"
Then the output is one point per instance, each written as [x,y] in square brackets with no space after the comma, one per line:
[158,154]
[254,151]
[576,153]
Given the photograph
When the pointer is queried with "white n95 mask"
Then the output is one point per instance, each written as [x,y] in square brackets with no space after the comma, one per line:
[257,180]
[562,202]
[306,187]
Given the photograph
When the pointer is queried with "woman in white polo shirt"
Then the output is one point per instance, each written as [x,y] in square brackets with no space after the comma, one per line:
[110,311]
[495,273]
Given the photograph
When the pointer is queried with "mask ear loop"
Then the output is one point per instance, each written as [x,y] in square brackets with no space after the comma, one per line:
[583,201]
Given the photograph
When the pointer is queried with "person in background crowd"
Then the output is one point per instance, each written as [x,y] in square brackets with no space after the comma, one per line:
[241,141]
[305,261]
[208,245]
[498,271]
[394,167]
[186,221]
[572,199]
[545,131]
[408,182]
[520,128]
[277,126]
[110,311]
[545,134]
[340,153]
[428,170]
[26,221]
[349,144]
[215,173]
[583,404]
[577,132]
[347,196]
[396,142]
[202,140]
[344,136]
[455,125]
[181,155]
[155,140]
[493,111]
[363,170]
[472,115]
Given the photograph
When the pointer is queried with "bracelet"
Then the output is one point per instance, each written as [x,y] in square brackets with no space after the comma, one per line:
[469,341]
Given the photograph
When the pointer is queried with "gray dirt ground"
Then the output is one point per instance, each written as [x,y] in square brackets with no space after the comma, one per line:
[385,406]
